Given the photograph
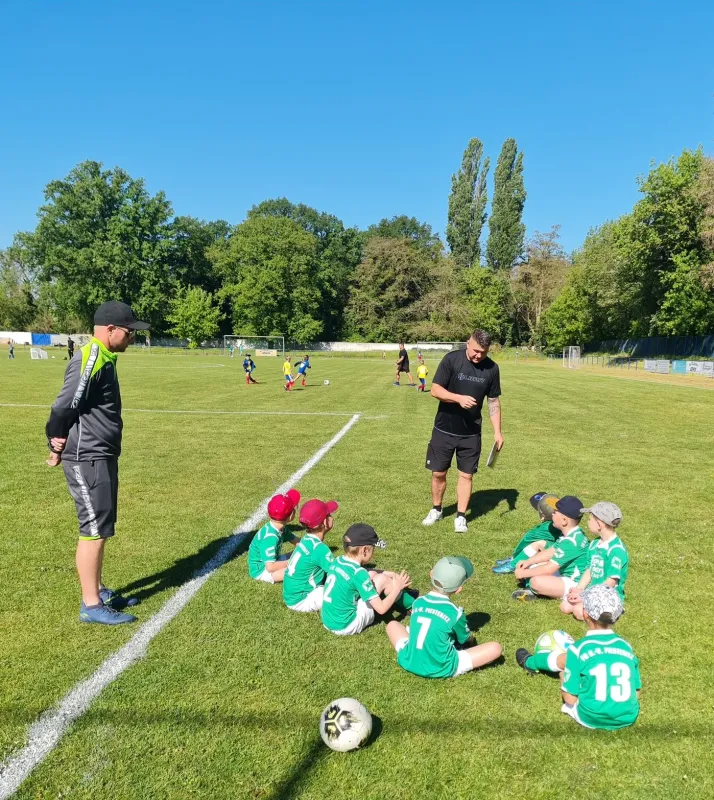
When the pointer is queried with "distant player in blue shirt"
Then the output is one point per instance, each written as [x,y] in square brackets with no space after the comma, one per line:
[302,369]
[248,366]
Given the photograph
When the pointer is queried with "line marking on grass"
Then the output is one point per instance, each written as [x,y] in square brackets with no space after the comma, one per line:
[45,734]
[211,412]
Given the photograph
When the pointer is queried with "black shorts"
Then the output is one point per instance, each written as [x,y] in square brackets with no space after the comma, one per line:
[442,447]
[404,367]
[94,486]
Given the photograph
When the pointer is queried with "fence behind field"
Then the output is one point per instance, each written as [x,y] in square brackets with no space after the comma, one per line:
[658,346]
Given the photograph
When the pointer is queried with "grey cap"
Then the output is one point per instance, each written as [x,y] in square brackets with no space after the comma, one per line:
[602,599]
[451,572]
[608,513]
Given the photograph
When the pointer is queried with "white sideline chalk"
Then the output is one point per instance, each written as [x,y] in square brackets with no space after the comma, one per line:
[45,734]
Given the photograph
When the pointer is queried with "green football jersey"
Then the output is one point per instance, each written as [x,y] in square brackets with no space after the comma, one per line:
[436,623]
[604,673]
[608,560]
[306,569]
[265,547]
[346,582]
[571,554]
[545,532]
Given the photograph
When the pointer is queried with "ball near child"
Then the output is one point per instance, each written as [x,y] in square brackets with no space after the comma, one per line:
[345,725]
[326,382]
[551,641]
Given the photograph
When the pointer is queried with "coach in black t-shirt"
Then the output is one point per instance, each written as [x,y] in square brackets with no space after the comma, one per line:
[462,381]
[403,364]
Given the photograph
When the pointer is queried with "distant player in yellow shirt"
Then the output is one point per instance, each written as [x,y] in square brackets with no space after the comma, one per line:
[288,373]
[422,372]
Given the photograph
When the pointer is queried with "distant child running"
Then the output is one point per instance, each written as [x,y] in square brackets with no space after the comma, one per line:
[544,535]
[553,572]
[601,674]
[303,367]
[288,374]
[428,647]
[249,366]
[422,372]
[305,575]
[11,345]
[264,560]
[608,558]
[352,595]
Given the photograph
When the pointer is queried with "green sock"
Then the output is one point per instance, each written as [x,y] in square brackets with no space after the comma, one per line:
[405,601]
[539,661]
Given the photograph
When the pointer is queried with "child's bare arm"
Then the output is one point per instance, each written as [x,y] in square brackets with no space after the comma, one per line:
[400,582]
[538,558]
[570,699]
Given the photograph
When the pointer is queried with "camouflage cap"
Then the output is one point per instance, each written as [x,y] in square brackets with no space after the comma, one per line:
[602,599]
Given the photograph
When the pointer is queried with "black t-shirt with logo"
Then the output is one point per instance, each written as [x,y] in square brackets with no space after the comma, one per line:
[459,375]
[404,366]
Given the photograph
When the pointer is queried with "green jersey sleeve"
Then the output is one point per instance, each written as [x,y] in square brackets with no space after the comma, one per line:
[322,556]
[616,564]
[571,678]
[364,586]
[564,552]
[461,628]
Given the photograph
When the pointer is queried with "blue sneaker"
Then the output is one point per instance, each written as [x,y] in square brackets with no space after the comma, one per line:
[500,561]
[505,569]
[104,615]
[111,598]
[396,384]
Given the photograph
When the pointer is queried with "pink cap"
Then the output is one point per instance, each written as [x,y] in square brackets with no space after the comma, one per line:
[281,506]
[315,512]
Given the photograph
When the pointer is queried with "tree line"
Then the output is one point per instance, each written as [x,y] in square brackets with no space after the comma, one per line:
[292,270]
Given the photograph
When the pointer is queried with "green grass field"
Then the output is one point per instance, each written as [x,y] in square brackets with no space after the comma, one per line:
[227,700]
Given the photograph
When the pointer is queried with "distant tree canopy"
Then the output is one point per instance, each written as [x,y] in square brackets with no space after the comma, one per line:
[293,270]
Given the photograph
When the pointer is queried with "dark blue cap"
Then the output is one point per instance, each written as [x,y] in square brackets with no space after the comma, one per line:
[570,506]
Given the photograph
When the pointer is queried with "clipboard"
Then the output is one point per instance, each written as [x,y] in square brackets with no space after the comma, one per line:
[493,455]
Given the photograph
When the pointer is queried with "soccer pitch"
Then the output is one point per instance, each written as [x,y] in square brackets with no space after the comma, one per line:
[226,701]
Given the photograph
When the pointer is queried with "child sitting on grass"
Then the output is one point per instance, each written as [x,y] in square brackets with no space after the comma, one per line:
[600,672]
[352,595]
[264,560]
[608,559]
[427,648]
[536,539]
[555,571]
[305,574]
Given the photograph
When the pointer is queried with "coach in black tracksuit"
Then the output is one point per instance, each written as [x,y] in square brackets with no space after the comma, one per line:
[462,380]
[84,434]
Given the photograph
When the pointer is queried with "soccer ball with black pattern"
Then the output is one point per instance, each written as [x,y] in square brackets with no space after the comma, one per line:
[345,724]
[550,641]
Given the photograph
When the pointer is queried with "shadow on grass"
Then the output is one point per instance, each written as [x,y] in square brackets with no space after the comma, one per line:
[477,619]
[487,500]
[184,569]
[300,773]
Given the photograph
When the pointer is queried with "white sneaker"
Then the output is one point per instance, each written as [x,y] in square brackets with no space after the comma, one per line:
[460,525]
[432,517]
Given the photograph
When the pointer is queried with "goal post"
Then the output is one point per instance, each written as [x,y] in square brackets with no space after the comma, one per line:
[37,354]
[238,344]
[571,357]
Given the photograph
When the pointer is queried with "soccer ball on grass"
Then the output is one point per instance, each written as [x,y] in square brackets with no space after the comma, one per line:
[550,641]
[345,724]
[326,382]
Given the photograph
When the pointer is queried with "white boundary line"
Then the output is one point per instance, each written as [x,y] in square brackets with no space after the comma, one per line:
[209,412]
[45,734]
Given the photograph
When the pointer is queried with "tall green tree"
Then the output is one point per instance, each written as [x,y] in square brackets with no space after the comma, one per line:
[190,240]
[467,206]
[194,315]
[419,234]
[17,300]
[443,313]
[506,229]
[101,236]
[488,298]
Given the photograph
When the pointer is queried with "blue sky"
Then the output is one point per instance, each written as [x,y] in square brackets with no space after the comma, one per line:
[361,109]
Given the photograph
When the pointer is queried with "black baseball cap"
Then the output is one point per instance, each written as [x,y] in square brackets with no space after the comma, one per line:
[570,506]
[119,314]
[362,535]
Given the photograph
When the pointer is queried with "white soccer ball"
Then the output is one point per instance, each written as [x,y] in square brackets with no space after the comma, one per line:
[345,725]
[326,382]
[551,641]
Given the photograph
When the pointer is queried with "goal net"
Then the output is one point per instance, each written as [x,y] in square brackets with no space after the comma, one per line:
[37,354]
[438,349]
[571,358]
[255,345]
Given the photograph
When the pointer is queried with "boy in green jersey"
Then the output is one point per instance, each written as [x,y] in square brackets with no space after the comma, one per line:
[536,539]
[305,574]
[555,571]
[264,560]
[601,674]
[608,559]
[352,595]
[427,648]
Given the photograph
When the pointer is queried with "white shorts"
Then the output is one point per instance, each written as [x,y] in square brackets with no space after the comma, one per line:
[365,617]
[267,577]
[465,664]
[313,602]
[569,584]
[572,711]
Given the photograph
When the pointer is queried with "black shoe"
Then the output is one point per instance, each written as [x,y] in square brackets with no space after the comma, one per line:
[521,656]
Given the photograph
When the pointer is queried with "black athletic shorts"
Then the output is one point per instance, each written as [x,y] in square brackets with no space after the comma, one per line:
[94,486]
[442,447]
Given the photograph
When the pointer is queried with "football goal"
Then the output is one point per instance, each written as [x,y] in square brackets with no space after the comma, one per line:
[255,345]
[571,358]
[37,354]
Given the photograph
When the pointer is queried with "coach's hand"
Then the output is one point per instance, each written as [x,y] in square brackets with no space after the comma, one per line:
[498,438]
[466,401]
